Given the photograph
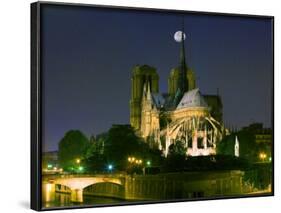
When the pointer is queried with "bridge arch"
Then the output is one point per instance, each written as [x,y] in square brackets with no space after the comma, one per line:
[78,184]
[105,189]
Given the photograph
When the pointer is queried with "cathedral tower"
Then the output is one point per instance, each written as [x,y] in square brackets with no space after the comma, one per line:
[141,74]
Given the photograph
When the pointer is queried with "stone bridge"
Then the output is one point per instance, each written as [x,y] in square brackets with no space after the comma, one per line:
[76,183]
[147,187]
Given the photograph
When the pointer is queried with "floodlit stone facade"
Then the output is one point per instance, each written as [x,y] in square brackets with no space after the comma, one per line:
[183,115]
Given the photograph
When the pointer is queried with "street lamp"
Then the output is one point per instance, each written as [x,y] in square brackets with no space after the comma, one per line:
[134,160]
[138,161]
[148,163]
[262,156]
[110,167]
[78,160]
[80,168]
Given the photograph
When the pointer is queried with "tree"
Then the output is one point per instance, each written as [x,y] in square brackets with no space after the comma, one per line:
[95,163]
[176,157]
[94,159]
[71,147]
[177,148]
[121,143]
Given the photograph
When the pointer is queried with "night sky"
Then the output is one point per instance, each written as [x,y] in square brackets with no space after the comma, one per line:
[88,55]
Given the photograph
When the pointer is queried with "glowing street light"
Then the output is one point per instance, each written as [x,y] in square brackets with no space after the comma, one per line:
[78,161]
[148,163]
[80,168]
[110,167]
[262,156]
[139,161]
[134,160]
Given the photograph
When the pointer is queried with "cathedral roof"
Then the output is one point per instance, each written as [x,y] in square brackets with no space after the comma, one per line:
[192,98]
[158,100]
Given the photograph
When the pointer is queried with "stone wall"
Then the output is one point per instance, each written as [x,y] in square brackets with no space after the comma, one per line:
[183,185]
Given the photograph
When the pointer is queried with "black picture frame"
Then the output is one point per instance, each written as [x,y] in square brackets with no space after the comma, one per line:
[36,102]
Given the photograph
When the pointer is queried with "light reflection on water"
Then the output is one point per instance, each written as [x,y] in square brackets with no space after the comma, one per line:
[56,199]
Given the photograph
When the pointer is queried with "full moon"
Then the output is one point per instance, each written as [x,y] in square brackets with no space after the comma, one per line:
[178,36]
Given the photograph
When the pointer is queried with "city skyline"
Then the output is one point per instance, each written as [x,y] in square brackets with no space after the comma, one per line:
[88,58]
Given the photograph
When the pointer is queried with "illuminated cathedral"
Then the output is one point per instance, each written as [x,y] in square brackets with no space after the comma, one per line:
[182,115]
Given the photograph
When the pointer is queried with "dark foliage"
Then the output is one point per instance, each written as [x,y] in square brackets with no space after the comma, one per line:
[175,163]
[122,142]
[95,163]
[72,146]
[259,175]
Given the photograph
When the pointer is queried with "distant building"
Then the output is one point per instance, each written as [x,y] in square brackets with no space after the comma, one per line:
[261,134]
[50,159]
[98,143]
[263,140]
[263,137]
[183,114]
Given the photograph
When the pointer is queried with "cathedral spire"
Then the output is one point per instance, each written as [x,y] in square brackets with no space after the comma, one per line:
[182,82]
[182,49]
[144,90]
[148,93]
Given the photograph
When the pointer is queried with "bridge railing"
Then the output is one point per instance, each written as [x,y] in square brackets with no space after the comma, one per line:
[65,175]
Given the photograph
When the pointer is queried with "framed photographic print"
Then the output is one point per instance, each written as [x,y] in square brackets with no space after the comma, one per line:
[137,106]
